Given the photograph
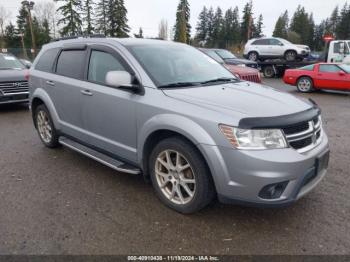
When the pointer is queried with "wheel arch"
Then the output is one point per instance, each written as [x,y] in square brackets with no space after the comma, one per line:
[165,126]
[41,97]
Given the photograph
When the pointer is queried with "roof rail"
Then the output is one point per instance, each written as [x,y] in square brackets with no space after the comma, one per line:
[79,36]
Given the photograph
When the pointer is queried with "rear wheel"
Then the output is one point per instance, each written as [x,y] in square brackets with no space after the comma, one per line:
[253,56]
[45,127]
[305,84]
[180,176]
[269,72]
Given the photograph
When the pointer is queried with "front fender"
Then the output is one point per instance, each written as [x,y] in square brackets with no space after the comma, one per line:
[176,123]
[43,96]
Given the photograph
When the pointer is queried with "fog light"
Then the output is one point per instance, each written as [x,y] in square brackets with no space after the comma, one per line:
[273,191]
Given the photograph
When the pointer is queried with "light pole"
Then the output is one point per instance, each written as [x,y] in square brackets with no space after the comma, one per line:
[29,5]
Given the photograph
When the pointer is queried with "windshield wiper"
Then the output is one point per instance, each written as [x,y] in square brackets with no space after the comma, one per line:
[221,79]
[180,84]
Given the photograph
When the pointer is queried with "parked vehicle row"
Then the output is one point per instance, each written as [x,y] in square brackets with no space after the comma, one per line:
[13,80]
[234,65]
[171,113]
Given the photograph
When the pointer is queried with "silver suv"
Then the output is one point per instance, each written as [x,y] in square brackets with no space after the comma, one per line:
[271,48]
[171,113]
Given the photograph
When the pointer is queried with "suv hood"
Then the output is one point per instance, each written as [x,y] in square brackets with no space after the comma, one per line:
[245,99]
[12,75]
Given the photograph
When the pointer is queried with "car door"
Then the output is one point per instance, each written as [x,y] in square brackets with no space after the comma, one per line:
[262,46]
[276,47]
[64,88]
[109,113]
[330,76]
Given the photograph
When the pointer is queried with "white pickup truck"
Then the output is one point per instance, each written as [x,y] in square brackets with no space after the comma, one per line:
[339,52]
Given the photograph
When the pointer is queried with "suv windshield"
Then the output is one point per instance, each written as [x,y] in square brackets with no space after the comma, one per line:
[10,62]
[225,54]
[169,64]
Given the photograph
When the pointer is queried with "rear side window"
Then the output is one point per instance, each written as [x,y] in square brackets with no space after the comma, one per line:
[261,42]
[100,64]
[47,60]
[308,68]
[329,68]
[71,63]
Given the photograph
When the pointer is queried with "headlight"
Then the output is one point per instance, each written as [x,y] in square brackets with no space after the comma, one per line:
[254,139]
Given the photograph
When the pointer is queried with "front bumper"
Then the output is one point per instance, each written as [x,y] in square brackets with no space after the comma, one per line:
[14,99]
[240,176]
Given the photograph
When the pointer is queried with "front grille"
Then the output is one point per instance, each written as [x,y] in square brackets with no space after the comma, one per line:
[304,136]
[251,78]
[12,88]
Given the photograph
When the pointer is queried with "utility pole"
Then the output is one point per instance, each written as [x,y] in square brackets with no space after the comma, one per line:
[30,5]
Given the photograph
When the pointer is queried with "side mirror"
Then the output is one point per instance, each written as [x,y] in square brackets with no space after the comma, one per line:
[120,79]
[281,44]
[341,73]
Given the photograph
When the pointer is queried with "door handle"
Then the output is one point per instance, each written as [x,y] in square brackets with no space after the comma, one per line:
[86,92]
[50,83]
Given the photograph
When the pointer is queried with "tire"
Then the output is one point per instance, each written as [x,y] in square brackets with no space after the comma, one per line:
[45,127]
[269,72]
[253,56]
[169,181]
[305,84]
[290,56]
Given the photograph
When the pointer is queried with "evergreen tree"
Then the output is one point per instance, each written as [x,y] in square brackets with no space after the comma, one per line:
[182,29]
[343,29]
[11,36]
[71,20]
[247,22]
[117,20]
[140,34]
[334,20]
[202,26]
[300,24]
[281,27]
[88,15]
[218,29]
[258,27]
[210,30]
[101,16]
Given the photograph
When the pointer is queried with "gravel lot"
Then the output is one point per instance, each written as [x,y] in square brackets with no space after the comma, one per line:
[60,202]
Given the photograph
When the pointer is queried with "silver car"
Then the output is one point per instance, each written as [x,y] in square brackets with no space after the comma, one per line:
[169,112]
[272,48]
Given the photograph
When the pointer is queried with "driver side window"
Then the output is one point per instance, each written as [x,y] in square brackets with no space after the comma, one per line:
[100,64]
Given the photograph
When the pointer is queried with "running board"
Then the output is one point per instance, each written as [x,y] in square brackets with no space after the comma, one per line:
[102,158]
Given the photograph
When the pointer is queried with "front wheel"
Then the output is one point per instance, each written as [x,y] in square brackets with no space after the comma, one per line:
[180,176]
[290,56]
[305,85]
[45,127]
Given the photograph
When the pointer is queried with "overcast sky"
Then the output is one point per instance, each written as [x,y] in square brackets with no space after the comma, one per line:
[148,13]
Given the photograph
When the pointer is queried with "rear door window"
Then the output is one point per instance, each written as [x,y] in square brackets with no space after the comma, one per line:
[46,60]
[261,42]
[71,63]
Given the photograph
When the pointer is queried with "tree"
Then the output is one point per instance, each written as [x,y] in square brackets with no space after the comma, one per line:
[140,34]
[163,30]
[247,21]
[343,29]
[258,27]
[202,26]
[117,20]
[281,27]
[182,28]
[46,11]
[88,16]
[101,16]
[334,20]
[218,29]
[4,17]
[23,28]
[210,33]
[11,37]
[301,24]
[71,21]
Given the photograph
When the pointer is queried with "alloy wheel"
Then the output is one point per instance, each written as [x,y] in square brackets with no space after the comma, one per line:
[44,126]
[304,85]
[175,177]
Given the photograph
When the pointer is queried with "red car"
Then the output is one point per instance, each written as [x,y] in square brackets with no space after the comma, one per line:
[319,76]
